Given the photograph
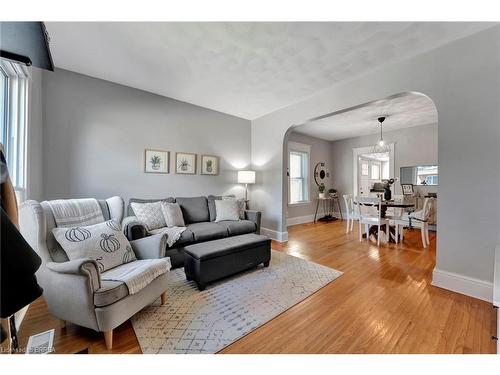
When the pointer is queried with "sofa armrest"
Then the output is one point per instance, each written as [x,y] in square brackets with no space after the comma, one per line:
[133,228]
[254,216]
[152,247]
[82,267]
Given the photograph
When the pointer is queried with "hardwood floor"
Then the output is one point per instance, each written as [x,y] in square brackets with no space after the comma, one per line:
[383,303]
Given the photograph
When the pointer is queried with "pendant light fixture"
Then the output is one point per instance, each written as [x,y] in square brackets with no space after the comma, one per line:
[381,148]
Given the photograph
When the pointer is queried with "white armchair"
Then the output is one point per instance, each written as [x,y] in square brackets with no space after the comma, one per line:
[74,290]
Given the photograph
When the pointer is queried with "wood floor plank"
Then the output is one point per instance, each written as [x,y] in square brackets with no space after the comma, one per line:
[384,303]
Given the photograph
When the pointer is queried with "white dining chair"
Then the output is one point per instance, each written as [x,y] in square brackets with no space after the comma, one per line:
[416,219]
[370,213]
[350,215]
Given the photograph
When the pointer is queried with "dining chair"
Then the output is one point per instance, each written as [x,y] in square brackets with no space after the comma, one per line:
[350,215]
[416,219]
[370,213]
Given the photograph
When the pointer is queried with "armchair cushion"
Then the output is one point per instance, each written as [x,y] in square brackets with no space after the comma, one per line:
[110,292]
[103,242]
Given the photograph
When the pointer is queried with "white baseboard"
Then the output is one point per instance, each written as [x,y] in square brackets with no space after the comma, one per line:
[299,220]
[274,235]
[469,286]
[306,219]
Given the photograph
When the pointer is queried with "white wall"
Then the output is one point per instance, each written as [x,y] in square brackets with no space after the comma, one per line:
[95,133]
[320,152]
[413,146]
[463,80]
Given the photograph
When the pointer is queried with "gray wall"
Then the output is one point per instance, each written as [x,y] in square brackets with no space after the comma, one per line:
[463,81]
[35,137]
[320,151]
[95,133]
[413,146]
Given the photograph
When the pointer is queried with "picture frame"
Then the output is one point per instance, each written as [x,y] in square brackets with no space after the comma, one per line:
[209,165]
[407,189]
[185,163]
[156,161]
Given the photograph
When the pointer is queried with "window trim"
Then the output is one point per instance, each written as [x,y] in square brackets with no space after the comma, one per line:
[302,148]
[16,104]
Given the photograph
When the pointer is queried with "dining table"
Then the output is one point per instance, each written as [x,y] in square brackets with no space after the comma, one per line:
[384,205]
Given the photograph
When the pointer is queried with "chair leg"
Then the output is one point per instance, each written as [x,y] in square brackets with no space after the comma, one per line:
[359,231]
[108,338]
[347,227]
[396,233]
[352,224]
[164,297]
[378,235]
[422,232]
[427,235]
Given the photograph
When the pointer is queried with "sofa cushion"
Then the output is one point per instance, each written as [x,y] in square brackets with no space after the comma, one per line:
[207,231]
[110,292]
[130,211]
[211,205]
[194,210]
[150,214]
[235,228]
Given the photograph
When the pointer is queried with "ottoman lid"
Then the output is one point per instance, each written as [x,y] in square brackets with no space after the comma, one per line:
[225,246]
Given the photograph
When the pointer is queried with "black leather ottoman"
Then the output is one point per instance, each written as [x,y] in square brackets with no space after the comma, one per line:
[209,261]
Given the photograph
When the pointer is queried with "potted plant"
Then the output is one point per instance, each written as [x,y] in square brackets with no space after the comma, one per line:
[332,192]
[155,162]
[321,191]
[209,166]
[184,165]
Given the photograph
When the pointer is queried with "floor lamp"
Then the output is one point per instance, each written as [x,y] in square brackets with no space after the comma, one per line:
[246,177]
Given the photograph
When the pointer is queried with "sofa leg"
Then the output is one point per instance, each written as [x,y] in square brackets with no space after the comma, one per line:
[266,264]
[164,297]
[108,337]
[62,323]
[201,286]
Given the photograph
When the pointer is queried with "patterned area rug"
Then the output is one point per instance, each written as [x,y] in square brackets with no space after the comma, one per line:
[206,322]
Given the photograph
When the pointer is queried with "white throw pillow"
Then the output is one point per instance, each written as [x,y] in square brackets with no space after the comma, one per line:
[173,214]
[104,242]
[150,214]
[242,205]
[227,209]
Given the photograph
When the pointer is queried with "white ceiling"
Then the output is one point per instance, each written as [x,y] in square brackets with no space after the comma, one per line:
[244,69]
[404,111]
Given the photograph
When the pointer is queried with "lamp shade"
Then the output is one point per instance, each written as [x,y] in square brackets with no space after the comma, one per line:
[246,177]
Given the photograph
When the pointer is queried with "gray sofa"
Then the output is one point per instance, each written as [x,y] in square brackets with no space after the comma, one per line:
[199,216]
[73,289]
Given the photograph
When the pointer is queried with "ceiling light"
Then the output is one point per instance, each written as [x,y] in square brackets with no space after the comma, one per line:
[381,148]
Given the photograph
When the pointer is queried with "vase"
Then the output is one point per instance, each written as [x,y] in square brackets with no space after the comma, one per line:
[321,195]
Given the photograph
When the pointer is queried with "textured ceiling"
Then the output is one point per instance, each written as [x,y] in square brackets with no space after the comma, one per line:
[244,69]
[403,111]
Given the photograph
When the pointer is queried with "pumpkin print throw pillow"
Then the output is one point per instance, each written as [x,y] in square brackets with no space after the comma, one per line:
[104,242]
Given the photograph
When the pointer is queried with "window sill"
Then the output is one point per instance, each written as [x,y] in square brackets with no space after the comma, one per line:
[299,204]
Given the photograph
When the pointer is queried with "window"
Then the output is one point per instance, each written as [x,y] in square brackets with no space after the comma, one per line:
[14,80]
[298,161]
[375,172]
[364,169]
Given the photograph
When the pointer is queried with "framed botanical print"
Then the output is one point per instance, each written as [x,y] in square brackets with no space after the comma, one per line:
[407,189]
[156,161]
[185,163]
[210,165]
